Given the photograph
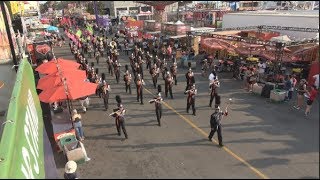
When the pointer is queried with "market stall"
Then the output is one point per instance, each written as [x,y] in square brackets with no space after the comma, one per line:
[133,29]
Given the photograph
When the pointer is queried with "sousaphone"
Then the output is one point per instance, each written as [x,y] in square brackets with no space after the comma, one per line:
[113,44]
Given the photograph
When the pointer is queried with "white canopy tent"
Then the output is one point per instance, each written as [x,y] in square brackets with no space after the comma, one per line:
[284,39]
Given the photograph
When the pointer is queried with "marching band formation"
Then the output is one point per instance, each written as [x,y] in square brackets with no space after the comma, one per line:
[157,61]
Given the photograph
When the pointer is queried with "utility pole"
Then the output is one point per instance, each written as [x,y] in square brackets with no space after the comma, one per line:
[5,18]
[96,11]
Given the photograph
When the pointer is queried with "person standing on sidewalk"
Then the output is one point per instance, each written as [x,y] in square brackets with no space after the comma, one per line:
[287,86]
[84,101]
[70,170]
[302,88]
[76,119]
[262,66]
[312,94]
[215,123]
[292,81]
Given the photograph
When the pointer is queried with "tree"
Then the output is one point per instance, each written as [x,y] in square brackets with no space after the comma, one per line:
[44,7]
[100,7]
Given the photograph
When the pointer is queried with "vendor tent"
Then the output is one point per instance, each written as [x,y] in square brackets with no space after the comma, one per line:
[179,22]
[314,70]
[310,53]
[283,39]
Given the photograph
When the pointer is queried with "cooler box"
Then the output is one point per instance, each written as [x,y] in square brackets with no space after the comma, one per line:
[277,95]
[257,89]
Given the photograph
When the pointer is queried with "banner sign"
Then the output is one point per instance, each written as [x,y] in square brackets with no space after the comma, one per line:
[21,145]
[17,7]
[73,38]
[40,51]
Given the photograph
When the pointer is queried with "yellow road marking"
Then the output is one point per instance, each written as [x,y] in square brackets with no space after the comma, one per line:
[260,174]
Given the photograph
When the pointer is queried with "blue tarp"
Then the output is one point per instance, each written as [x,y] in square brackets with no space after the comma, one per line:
[52,28]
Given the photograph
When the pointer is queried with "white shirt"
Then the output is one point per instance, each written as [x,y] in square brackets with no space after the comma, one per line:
[211,77]
[316,83]
[262,67]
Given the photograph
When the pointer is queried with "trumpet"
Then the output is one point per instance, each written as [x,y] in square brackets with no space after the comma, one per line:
[215,83]
[157,100]
[194,91]
[119,112]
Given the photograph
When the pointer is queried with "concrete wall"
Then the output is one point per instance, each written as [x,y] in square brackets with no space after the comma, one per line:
[242,20]
[8,76]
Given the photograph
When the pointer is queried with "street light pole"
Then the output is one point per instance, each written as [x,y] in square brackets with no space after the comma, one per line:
[278,58]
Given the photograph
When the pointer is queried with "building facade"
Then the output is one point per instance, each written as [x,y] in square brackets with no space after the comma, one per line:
[126,8]
[302,19]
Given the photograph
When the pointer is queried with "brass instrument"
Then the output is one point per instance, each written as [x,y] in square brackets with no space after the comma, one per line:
[215,83]
[128,78]
[113,44]
[193,91]
[156,100]
[106,88]
[120,111]
[155,72]
[140,82]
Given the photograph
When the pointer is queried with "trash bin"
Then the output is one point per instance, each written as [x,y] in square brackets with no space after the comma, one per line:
[266,90]
[277,95]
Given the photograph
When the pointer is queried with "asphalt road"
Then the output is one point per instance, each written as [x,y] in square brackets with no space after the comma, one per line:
[262,139]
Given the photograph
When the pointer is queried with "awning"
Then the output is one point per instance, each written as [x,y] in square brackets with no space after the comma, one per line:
[284,39]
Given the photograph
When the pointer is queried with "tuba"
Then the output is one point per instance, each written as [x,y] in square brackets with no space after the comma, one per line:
[113,44]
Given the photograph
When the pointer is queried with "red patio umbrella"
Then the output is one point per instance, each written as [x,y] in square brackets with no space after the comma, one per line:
[212,44]
[71,91]
[53,80]
[51,66]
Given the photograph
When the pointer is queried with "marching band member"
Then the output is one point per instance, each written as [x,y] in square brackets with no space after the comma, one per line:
[158,104]
[168,85]
[173,70]
[191,98]
[105,94]
[116,67]
[213,87]
[154,71]
[127,79]
[119,118]
[189,78]
[139,85]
